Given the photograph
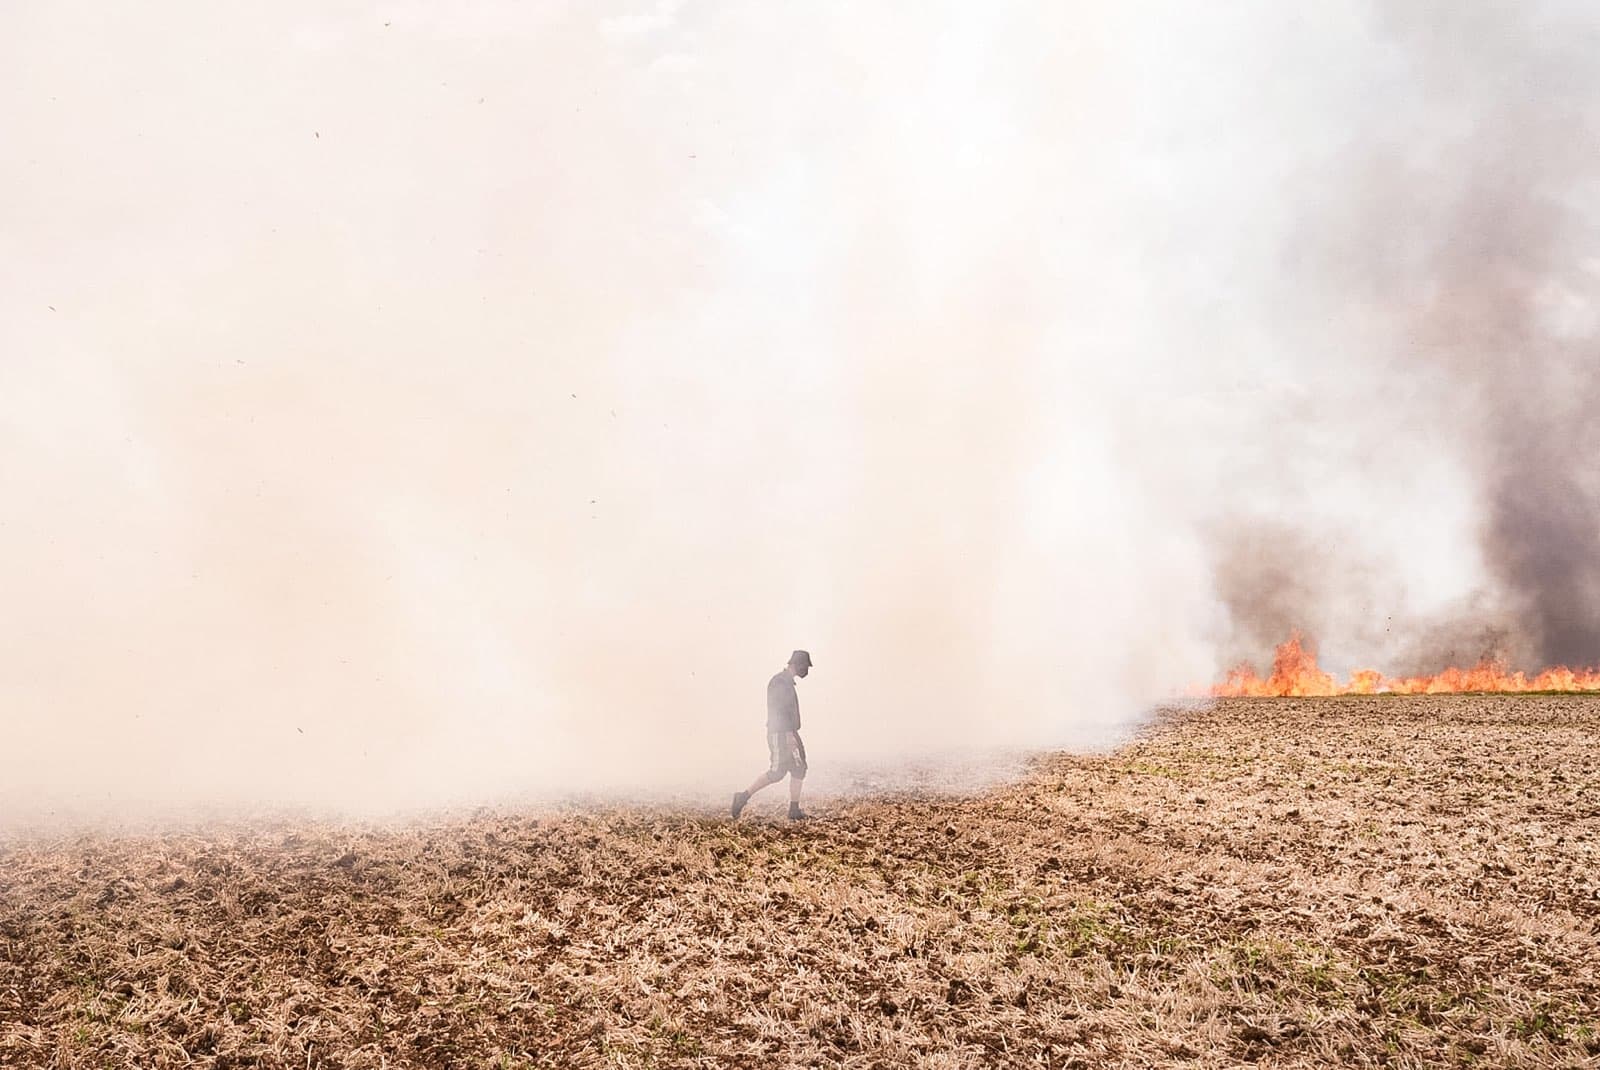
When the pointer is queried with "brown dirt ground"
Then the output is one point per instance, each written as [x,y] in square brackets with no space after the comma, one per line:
[1400,881]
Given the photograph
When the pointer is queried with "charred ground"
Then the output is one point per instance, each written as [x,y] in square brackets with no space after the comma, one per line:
[1397,881]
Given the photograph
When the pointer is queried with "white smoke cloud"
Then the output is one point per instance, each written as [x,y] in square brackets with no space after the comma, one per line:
[403,405]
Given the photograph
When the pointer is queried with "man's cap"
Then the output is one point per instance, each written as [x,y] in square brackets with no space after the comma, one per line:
[800,657]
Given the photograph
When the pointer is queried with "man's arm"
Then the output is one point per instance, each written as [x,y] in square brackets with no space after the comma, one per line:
[785,704]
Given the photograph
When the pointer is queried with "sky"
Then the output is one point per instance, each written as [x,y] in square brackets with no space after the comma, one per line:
[406,405]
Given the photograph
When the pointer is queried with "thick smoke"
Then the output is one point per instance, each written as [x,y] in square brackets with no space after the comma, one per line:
[1505,292]
[1451,242]
[407,406]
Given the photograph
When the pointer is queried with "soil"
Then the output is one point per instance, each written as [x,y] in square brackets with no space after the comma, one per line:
[1369,881]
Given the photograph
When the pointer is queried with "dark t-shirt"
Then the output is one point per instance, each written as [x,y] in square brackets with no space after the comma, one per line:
[783,705]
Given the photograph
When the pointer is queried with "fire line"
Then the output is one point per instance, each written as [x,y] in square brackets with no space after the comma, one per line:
[1295,672]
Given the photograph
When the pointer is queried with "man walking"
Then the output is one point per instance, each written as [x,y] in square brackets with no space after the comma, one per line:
[788,754]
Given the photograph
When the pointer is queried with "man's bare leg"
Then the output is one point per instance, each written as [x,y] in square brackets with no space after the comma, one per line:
[795,784]
[769,777]
[743,797]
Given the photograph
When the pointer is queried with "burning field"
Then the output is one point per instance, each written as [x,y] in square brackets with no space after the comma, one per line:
[1295,672]
[1381,880]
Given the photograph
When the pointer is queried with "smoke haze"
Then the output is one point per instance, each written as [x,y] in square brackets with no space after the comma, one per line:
[402,406]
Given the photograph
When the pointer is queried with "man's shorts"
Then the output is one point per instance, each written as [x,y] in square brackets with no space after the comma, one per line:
[788,754]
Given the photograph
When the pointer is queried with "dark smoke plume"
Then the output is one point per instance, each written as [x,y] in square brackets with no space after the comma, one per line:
[1505,297]
[1461,242]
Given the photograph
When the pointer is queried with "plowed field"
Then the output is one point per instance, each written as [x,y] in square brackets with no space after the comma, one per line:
[1398,881]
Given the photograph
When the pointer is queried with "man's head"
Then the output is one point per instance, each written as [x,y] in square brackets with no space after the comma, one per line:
[800,662]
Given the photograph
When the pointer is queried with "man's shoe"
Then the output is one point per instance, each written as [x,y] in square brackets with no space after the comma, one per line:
[739,799]
[795,813]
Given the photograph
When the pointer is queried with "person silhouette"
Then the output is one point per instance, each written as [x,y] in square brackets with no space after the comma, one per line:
[785,750]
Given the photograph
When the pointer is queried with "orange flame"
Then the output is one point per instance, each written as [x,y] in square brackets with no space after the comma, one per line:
[1295,672]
